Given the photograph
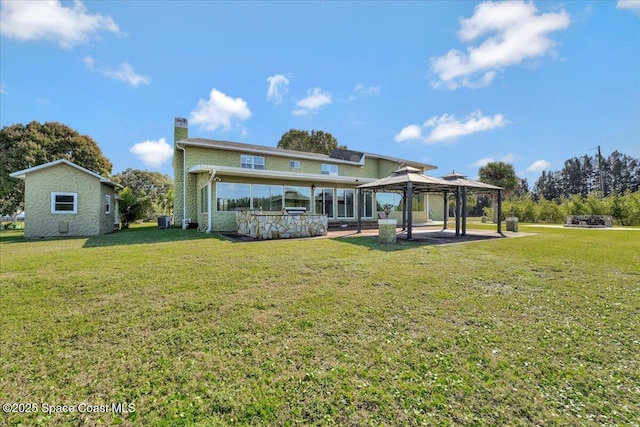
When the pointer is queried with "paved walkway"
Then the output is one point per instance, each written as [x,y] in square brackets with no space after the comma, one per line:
[431,235]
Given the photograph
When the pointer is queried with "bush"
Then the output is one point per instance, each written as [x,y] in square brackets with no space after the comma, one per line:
[550,212]
[624,209]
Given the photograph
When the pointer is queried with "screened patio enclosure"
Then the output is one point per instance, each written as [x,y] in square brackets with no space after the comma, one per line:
[409,181]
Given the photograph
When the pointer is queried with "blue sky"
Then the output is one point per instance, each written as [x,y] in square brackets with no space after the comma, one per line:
[453,84]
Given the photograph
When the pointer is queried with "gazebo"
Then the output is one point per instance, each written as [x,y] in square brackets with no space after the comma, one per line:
[410,181]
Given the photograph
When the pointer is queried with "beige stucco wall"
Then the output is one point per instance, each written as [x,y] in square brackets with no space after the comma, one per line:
[40,222]
[107,220]
[436,207]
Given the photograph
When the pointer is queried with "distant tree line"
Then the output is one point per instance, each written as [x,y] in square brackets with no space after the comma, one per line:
[576,189]
[581,176]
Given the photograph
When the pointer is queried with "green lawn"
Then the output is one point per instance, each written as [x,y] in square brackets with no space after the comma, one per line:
[191,329]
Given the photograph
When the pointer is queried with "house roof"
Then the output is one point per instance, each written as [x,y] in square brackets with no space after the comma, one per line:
[343,156]
[293,176]
[22,174]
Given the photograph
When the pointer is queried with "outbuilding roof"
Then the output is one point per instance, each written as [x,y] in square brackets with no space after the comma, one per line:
[23,173]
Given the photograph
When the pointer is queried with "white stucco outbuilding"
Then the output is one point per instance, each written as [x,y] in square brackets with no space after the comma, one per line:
[64,199]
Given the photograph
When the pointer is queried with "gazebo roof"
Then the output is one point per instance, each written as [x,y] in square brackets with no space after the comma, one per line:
[422,183]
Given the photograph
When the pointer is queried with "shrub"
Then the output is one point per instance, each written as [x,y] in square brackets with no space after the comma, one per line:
[550,212]
[624,209]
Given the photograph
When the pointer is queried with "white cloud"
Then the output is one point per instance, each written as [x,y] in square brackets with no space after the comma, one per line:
[631,5]
[409,133]
[124,73]
[362,90]
[447,127]
[278,87]
[508,158]
[483,162]
[152,153]
[219,111]
[315,99]
[50,20]
[513,31]
[539,166]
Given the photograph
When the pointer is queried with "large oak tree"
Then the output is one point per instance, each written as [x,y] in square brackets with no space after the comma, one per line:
[316,141]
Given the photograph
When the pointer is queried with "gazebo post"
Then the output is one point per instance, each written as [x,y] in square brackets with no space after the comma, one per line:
[360,207]
[446,210]
[500,211]
[409,205]
[464,211]
[457,211]
[404,210]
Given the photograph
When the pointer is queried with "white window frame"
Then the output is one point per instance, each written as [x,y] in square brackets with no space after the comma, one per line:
[372,203]
[107,204]
[252,162]
[294,164]
[329,169]
[54,194]
[321,190]
[344,200]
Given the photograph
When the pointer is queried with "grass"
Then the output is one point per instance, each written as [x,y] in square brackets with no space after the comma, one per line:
[195,330]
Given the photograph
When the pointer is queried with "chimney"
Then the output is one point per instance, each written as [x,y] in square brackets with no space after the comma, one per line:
[181,129]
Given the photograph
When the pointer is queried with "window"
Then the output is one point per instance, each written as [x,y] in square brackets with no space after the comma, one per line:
[267,197]
[324,201]
[258,162]
[251,162]
[367,212]
[233,197]
[329,169]
[203,199]
[297,197]
[294,164]
[107,204]
[345,203]
[64,203]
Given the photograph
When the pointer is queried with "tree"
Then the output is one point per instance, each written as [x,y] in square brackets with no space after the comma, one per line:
[501,174]
[581,176]
[310,142]
[548,186]
[523,187]
[133,206]
[154,185]
[22,147]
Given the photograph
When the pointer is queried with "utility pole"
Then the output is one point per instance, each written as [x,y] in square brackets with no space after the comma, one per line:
[601,179]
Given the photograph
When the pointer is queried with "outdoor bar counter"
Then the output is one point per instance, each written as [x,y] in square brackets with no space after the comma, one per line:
[265,226]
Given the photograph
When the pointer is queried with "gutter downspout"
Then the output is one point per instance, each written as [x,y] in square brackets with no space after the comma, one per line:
[213,174]
[184,184]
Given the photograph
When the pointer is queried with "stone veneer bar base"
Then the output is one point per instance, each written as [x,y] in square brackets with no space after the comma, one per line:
[265,226]
[387,230]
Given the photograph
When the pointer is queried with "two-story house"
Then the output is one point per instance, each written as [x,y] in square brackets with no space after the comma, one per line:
[215,179]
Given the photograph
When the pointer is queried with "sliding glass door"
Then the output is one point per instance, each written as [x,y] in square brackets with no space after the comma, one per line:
[324,202]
